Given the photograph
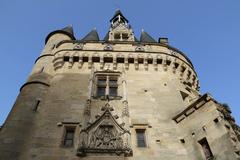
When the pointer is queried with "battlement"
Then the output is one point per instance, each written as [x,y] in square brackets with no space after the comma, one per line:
[128,56]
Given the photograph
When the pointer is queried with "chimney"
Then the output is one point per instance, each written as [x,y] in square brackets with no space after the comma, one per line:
[163,40]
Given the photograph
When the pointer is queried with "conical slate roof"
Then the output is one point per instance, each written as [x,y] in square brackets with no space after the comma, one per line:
[67,31]
[145,37]
[91,36]
[135,39]
[118,12]
[106,37]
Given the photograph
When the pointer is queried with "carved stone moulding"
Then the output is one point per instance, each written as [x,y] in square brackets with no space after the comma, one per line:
[125,152]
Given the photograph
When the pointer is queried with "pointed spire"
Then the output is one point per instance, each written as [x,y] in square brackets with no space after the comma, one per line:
[91,36]
[145,37]
[67,31]
[118,14]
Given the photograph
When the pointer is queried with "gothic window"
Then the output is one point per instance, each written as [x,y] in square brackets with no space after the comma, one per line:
[206,149]
[107,85]
[113,86]
[121,36]
[101,86]
[141,138]
[69,137]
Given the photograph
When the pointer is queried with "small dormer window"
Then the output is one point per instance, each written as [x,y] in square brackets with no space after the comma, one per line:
[121,36]
[120,29]
[117,36]
[124,36]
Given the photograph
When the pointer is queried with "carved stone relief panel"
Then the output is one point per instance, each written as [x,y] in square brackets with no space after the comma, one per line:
[104,135]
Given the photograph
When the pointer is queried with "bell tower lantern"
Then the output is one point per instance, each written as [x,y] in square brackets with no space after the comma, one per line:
[120,30]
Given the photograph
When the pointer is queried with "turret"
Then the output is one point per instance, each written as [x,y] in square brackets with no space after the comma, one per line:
[57,36]
[120,30]
[25,110]
[91,36]
[146,38]
[43,68]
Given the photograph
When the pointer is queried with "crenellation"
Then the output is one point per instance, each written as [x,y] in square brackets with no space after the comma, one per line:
[139,60]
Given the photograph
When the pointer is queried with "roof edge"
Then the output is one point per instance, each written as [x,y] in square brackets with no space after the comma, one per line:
[59,31]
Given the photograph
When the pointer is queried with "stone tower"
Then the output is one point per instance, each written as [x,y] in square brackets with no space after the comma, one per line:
[114,99]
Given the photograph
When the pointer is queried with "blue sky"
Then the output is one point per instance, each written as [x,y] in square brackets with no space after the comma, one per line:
[207,31]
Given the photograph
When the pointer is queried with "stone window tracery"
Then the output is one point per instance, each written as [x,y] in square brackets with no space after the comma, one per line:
[107,85]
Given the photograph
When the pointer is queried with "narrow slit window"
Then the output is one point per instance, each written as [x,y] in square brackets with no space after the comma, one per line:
[36,105]
[42,69]
[141,138]
[206,149]
[69,137]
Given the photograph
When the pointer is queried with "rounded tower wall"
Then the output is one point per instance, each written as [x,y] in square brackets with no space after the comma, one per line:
[17,128]
[53,40]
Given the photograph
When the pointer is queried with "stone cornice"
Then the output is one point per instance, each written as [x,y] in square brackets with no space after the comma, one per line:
[192,107]
[34,82]
[127,42]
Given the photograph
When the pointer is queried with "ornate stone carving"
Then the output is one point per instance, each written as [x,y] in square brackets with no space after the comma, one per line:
[78,46]
[125,111]
[108,47]
[139,48]
[87,108]
[225,110]
[105,135]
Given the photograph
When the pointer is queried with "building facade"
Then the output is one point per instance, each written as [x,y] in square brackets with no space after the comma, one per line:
[116,98]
